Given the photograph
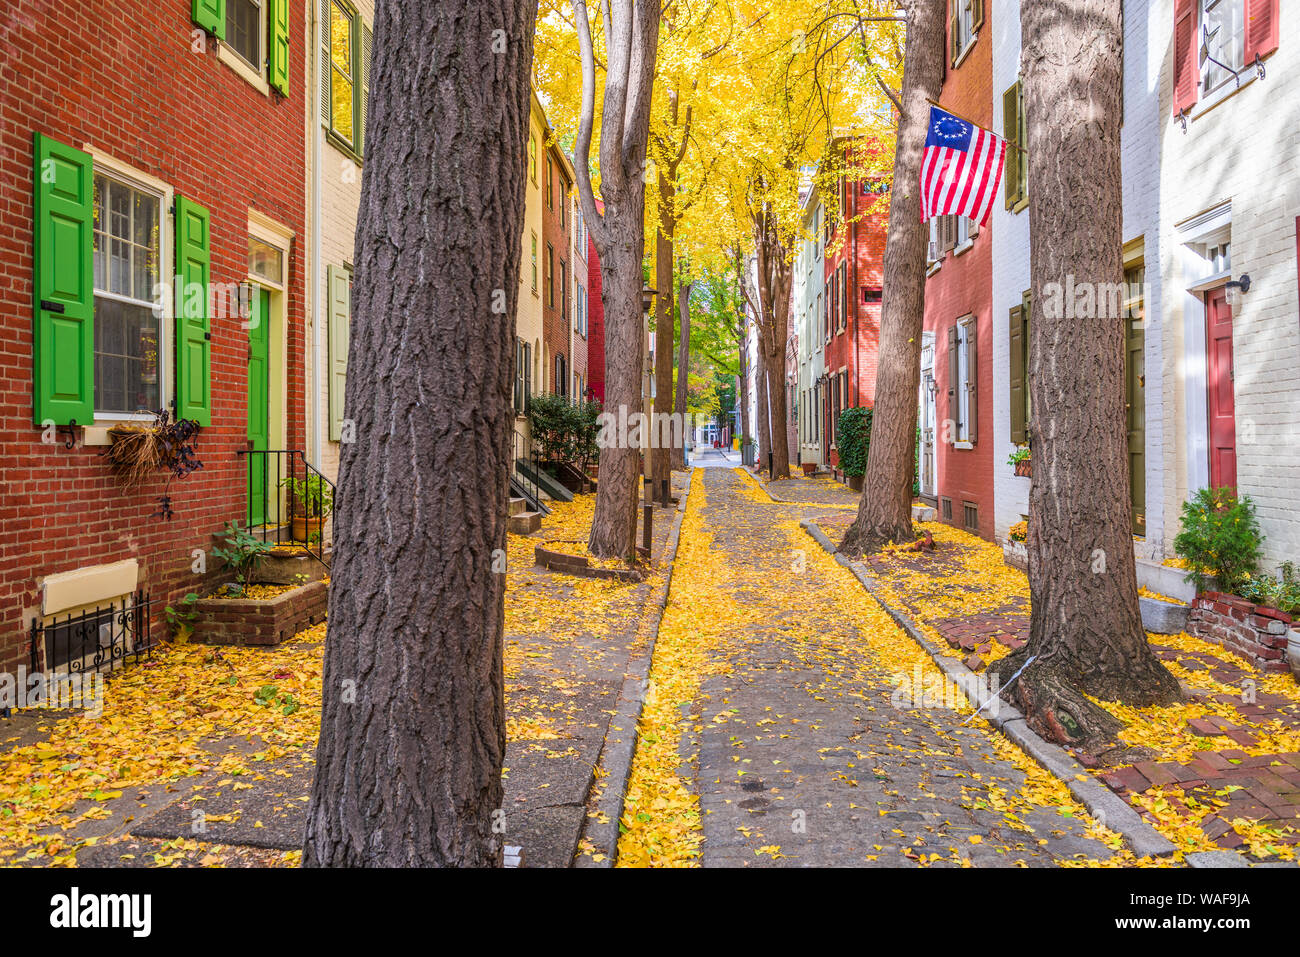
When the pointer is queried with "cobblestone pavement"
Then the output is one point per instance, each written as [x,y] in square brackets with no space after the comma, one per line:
[799,756]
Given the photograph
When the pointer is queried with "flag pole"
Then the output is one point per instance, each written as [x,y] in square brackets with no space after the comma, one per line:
[1010,145]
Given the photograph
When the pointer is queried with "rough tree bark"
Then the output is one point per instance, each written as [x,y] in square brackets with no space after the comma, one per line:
[408,768]
[1086,633]
[774,279]
[661,453]
[885,509]
[683,368]
[631,39]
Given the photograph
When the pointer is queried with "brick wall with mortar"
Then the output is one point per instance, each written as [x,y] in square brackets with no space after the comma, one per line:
[126,80]
[556,229]
[1255,632]
[962,286]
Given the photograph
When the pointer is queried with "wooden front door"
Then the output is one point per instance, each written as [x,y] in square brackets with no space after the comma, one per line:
[259,430]
[1221,405]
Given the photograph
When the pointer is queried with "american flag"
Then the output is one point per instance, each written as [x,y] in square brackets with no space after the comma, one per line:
[961,168]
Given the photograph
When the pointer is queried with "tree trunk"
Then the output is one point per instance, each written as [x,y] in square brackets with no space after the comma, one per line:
[683,369]
[762,407]
[885,509]
[631,38]
[774,278]
[742,390]
[1086,631]
[662,453]
[408,768]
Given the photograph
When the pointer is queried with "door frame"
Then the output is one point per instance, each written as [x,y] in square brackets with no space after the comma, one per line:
[929,413]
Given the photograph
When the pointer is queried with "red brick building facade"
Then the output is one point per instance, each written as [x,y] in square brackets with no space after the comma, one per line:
[958,310]
[595,324]
[135,146]
[857,224]
[557,273]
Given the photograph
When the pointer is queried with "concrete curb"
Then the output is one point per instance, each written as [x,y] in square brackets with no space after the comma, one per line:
[793,501]
[1101,802]
[620,739]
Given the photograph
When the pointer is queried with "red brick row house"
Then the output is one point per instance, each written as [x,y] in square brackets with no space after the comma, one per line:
[152,181]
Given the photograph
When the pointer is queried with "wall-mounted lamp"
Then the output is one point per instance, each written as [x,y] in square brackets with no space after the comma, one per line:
[1235,287]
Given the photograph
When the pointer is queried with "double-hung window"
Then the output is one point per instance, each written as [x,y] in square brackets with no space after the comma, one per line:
[1223,31]
[345,73]
[245,22]
[126,252]
[962,368]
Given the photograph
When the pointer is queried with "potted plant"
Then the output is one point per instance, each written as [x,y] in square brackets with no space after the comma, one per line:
[1019,460]
[313,500]
[853,439]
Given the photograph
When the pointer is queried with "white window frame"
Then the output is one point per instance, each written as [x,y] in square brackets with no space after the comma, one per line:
[966,24]
[1236,11]
[164,306]
[255,74]
[965,329]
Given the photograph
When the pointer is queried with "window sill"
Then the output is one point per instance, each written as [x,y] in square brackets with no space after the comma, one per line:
[1020,205]
[964,247]
[342,145]
[245,69]
[961,57]
[1225,92]
[964,446]
[933,268]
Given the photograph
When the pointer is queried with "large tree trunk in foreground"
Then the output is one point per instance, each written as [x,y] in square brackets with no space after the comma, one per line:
[631,39]
[683,370]
[742,390]
[774,278]
[1085,629]
[661,454]
[408,769]
[762,407]
[885,509]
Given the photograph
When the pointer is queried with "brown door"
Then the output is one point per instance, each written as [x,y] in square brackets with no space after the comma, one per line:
[1223,424]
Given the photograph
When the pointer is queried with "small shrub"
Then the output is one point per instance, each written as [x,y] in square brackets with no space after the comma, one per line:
[239,551]
[1280,593]
[853,439]
[1019,532]
[180,617]
[1021,454]
[1220,537]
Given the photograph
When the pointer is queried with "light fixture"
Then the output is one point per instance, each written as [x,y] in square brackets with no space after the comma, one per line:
[1234,289]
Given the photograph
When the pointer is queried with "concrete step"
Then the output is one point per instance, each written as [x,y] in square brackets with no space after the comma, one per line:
[922,513]
[525,523]
[518,506]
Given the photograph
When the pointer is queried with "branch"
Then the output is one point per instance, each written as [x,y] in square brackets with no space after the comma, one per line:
[582,145]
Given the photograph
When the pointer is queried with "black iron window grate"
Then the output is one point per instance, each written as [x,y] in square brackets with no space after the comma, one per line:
[100,639]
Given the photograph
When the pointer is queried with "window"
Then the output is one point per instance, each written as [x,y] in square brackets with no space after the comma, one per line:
[945,509]
[965,230]
[561,376]
[965,17]
[532,157]
[345,81]
[534,264]
[872,295]
[244,22]
[550,275]
[1223,31]
[550,184]
[970,516]
[1015,181]
[962,379]
[841,296]
[265,261]
[128,346]
[564,291]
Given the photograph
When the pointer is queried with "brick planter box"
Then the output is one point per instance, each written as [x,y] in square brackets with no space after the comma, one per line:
[242,621]
[1016,554]
[1255,632]
[578,565]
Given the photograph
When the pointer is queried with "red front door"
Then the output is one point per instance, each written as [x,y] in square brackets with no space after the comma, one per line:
[1223,423]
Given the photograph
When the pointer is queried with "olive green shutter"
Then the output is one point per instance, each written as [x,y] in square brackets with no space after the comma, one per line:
[277,32]
[954,407]
[326,101]
[193,323]
[1017,329]
[976,14]
[340,308]
[63,340]
[972,382]
[1011,132]
[954,32]
[210,15]
[364,86]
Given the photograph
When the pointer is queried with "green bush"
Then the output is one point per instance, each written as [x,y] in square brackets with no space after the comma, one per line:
[564,432]
[853,439]
[1282,594]
[1220,537]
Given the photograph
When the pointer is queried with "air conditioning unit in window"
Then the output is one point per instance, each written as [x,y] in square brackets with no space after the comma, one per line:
[932,254]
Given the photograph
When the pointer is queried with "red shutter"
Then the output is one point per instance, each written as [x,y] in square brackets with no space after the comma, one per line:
[1187,73]
[1261,28]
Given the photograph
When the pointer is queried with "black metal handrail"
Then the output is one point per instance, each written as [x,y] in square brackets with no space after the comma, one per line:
[289,500]
[523,481]
[98,639]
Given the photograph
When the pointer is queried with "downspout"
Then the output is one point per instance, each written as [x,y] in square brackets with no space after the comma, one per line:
[313,120]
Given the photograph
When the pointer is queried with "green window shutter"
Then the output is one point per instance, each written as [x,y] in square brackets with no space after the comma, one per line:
[1017,375]
[954,32]
[210,15]
[193,324]
[976,14]
[277,32]
[364,86]
[63,340]
[340,320]
[323,68]
[1011,131]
